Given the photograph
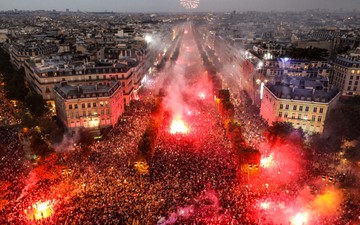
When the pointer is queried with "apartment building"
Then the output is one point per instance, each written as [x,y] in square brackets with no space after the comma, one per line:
[43,74]
[93,106]
[304,103]
[346,74]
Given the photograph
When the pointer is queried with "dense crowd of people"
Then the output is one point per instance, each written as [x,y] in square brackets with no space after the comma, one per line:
[193,177]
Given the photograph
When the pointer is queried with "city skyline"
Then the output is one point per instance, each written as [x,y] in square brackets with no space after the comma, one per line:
[175,6]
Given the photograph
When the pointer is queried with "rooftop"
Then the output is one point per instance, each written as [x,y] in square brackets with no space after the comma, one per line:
[104,89]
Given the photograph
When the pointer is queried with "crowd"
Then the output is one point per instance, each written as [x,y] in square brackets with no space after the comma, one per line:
[7,111]
[192,178]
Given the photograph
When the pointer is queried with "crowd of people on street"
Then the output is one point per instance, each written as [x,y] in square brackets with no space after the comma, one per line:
[193,177]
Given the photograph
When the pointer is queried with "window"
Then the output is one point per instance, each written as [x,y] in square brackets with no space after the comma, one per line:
[321,110]
[84,113]
[70,106]
[89,105]
[293,116]
[357,77]
[319,119]
[307,109]
[101,104]
[281,106]
[350,82]
[102,112]
[300,108]
[75,106]
[83,105]
[108,111]
[294,107]
[315,109]
[299,116]
[287,107]
[94,104]
[285,115]
[313,118]
[356,83]
[351,77]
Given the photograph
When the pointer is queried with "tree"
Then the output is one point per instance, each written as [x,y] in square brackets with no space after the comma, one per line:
[39,146]
[36,104]
[343,122]
[85,137]
[284,132]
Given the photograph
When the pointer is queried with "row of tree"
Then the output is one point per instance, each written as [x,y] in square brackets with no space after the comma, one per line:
[247,157]
[146,146]
[15,88]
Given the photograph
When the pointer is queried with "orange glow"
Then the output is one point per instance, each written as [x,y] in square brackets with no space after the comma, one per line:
[267,161]
[300,219]
[178,126]
[41,210]
[329,202]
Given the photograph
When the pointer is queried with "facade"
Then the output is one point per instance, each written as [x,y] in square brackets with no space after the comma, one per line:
[42,75]
[304,103]
[19,54]
[346,74]
[89,106]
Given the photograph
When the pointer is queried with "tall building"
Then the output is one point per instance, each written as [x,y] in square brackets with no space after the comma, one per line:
[93,106]
[346,74]
[303,102]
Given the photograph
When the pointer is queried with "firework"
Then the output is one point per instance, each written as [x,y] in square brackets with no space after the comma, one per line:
[190,4]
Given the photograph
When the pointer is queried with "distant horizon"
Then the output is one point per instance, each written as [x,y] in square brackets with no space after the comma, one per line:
[186,12]
[174,6]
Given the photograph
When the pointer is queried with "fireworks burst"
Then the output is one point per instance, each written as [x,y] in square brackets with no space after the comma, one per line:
[190,4]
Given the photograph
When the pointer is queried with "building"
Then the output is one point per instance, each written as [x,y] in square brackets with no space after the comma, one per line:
[346,74]
[19,54]
[42,74]
[303,102]
[93,107]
